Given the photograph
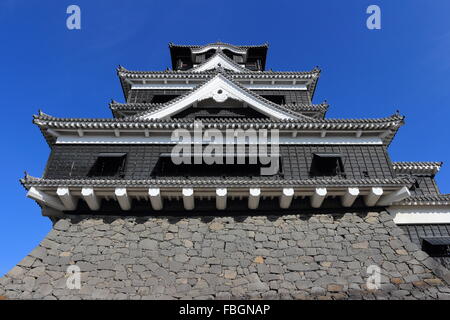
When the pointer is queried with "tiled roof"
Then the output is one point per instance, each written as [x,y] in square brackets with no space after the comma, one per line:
[248,74]
[219,73]
[144,106]
[393,122]
[114,105]
[265,45]
[308,107]
[417,167]
[29,181]
[436,200]
[117,107]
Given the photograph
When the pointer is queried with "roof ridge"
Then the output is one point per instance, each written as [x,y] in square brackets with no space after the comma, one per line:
[44,116]
[438,163]
[306,105]
[394,117]
[171,44]
[429,199]
[417,166]
[247,71]
[149,104]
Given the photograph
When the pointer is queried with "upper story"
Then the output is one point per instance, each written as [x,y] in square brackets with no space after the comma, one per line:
[126,162]
[224,94]
[188,57]
[243,65]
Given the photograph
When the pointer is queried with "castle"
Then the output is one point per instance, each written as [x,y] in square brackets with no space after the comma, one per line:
[123,168]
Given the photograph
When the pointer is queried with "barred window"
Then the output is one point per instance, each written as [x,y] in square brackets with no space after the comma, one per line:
[436,246]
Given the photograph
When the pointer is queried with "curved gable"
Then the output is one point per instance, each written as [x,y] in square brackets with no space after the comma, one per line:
[220,89]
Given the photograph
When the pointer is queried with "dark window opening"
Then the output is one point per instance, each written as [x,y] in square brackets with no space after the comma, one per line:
[436,246]
[415,186]
[327,165]
[253,64]
[184,64]
[229,54]
[278,99]
[163,98]
[165,167]
[108,165]
[209,54]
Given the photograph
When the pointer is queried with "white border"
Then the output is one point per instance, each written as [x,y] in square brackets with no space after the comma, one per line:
[420,214]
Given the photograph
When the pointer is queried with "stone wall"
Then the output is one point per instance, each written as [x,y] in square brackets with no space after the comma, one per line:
[319,256]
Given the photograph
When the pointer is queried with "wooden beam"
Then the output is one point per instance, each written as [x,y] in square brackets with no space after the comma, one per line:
[188,198]
[221,198]
[69,202]
[349,197]
[122,198]
[91,198]
[45,199]
[286,198]
[253,198]
[396,196]
[374,194]
[318,197]
[155,198]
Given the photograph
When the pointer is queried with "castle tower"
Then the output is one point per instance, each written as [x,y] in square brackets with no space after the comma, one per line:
[217,138]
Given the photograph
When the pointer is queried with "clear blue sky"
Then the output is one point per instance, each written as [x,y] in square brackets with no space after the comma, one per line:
[405,66]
